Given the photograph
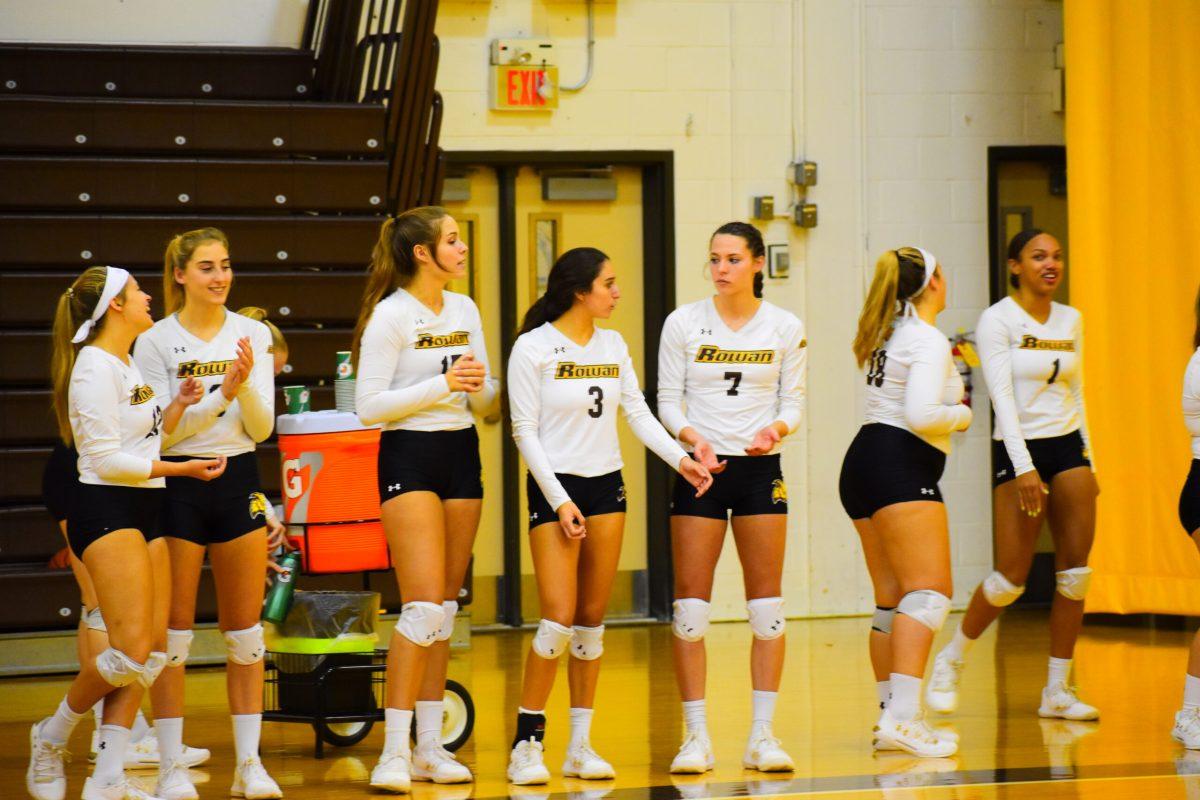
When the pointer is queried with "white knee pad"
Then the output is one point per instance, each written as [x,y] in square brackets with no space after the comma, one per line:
[927,607]
[766,617]
[179,644]
[999,591]
[881,620]
[551,639]
[450,607]
[245,646]
[1073,583]
[93,619]
[420,622]
[690,619]
[588,643]
[155,664]
[117,668]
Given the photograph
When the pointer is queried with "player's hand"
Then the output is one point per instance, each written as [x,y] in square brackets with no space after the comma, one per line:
[696,474]
[205,469]
[1031,492]
[970,417]
[469,373]
[276,535]
[239,370]
[190,392]
[571,520]
[764,441]
[702,451]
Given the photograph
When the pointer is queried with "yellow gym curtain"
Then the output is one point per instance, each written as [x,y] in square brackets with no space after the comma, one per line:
[1133,171]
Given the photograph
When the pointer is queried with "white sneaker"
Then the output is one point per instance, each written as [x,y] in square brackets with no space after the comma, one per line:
[124,790]
[144,754]
[432,762]
[252,782]
[765,753]
[525,764]
[45,778]
[941,692]
[912,736]
[695,755]
[1187,728]
[943,733]
[393,773]
[584,762]
[1060,701]
[174,783]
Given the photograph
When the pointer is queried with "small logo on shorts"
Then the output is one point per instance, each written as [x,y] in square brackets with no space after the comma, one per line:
[928,491]
[621,494]
[393,487]
[258,505]
[1002,473]
[778,491]
[533,516]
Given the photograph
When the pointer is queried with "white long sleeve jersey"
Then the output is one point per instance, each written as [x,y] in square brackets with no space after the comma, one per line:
[405,354]
[168,355]
[728,385]
[912,384]
[564,399]
[1191,401]
[1034,374]
[115,421]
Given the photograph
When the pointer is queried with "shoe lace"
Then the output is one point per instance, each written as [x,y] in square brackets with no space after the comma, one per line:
[945,674]
[252,768]
[1190,720]
[584,752]
[529,753]
[918,728]
[49,759]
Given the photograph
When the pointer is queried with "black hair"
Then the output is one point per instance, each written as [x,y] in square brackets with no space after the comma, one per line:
[1015,245]
[572,274]
[754,241]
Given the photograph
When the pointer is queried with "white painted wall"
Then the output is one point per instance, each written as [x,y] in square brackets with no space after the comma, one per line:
[264,23]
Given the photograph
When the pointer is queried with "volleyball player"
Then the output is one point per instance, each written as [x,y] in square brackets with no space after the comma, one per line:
[422,370]
[113,417]
[229,355]
[1032,353]
[1187,720]
[731,387]
[567,379]
[889,485]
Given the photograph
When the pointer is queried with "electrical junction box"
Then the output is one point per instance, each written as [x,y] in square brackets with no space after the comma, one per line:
[525,52]
[805,215]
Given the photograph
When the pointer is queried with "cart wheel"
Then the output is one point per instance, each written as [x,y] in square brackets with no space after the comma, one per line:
[459,718]
[343,734]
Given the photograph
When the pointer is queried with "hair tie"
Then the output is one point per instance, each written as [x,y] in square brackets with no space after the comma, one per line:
[70,291]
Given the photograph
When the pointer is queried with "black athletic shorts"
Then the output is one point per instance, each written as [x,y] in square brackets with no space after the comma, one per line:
[603,494]
[748,485]
[443,462]
[1189,500]
[1050,456]
[59,479]
[216,511]
[887,465]
[96,510]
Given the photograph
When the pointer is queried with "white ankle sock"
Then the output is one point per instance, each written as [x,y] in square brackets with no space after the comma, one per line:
[883,690]
[57,729]
[959,645]
[429,721]
[247,729]
[110,757]
[763,705]
[170,739]
[906,697]
[695,716]
[1059,671]
[581,725]
[140,727]
[396,728]
[1191,692]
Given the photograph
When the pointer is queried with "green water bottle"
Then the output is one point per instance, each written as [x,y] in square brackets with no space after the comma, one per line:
[279,599]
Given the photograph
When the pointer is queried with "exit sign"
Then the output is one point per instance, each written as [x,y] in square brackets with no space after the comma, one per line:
[518,87]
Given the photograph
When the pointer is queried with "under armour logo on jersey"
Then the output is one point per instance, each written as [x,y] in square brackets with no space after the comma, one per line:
[420,322]
[179,349]
[393,487]
[558,350]
[928,491]
[706,331]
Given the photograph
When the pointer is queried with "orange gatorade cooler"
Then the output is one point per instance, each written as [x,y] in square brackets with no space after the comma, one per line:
[330,491]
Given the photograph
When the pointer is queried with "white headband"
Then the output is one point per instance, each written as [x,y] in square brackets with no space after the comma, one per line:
[930,267]
[114,284]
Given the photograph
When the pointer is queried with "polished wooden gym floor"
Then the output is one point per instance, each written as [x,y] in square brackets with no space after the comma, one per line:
[827,706]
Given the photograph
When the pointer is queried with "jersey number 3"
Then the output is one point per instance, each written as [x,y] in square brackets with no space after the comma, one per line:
[875,368]
[597,410]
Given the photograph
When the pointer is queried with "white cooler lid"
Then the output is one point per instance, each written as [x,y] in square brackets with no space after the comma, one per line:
[319,422]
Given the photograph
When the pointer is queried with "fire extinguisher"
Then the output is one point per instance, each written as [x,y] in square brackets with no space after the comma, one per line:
[965,360]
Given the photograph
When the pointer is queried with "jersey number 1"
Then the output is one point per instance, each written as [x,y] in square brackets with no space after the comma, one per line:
[448,362]
[1053,375]
[596,411]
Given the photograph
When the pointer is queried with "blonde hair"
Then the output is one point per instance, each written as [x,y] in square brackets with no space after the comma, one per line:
[392,262]
[179,252]
[75,306]
[898,276]
[279,343]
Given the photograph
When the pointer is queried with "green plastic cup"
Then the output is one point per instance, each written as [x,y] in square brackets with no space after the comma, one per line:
[296,398]
[345,370]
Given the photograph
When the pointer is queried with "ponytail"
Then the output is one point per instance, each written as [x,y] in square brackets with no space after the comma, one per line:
[393,263]
[573,273]
[74,307]
[278,343]
[180,250]
[899,275]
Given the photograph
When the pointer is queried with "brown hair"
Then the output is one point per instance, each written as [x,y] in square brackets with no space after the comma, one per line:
[179,252]
[392,260]
[75,306]
[898,276]
[279,343]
